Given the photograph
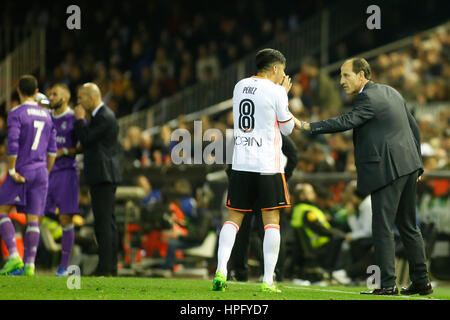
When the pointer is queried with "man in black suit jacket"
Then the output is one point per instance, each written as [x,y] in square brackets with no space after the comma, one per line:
[388,162]
[102,170]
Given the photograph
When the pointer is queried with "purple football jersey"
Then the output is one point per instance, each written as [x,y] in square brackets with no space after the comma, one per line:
[31,136]
[65,138]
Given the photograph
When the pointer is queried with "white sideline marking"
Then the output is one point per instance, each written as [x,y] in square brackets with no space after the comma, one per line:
[350,292]
[335,291]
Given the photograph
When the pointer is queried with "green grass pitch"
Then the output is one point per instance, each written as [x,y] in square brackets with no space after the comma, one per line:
[43,287]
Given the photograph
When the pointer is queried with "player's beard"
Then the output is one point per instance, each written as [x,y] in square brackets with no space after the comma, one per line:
[57,104]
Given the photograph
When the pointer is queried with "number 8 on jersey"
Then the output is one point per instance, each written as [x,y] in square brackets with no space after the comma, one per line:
[246,113]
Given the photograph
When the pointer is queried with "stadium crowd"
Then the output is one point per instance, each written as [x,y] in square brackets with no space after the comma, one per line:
[137,61]
[419,72]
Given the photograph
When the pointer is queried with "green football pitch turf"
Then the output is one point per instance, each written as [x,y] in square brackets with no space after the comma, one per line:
[43,287]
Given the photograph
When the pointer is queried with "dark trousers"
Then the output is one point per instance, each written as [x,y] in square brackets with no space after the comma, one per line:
[396,203]
[239,255]
[328,254]
[103,204]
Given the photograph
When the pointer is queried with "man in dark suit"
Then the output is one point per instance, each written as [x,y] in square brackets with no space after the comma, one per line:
[388,162]
[102,171]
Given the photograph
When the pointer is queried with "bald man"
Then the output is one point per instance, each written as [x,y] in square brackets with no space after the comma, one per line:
[98,137]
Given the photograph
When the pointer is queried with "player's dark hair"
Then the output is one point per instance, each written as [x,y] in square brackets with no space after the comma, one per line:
[266,58]
[361,64]
[61,85]
[28,85]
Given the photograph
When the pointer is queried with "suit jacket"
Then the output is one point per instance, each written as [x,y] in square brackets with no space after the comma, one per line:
[100,147]
[290,150]
[385,135]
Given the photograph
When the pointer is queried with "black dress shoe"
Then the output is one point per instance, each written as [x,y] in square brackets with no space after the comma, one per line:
[393,291]
[414,289]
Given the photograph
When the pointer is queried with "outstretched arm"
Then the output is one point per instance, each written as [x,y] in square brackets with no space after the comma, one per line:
[361,113]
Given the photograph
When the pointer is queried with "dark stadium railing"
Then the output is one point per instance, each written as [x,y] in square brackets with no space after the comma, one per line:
[27,57]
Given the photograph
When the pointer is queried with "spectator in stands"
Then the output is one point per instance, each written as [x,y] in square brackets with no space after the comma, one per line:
[144,83]
[138,60]
[321,161]
[167,82]
[359,219]
[103,80]
[131,143]
[304,163]
[145,149]
[297,103]
[207,65]
[162,61]
[319,88]
[445,145]
[127,102]
[316,236]
[3,130]
[339,151]
[153,195]
[186,75]
[163,146]
[198,222]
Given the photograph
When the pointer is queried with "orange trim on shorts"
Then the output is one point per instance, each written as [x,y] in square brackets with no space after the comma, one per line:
[279,207]
[275,226]
[286,191]
[245,210]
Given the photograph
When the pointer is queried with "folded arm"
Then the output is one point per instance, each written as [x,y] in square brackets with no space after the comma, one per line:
[89,135]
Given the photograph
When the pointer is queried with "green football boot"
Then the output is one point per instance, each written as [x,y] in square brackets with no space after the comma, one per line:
[266,288]
[29,271]
[219,282]
[11,265]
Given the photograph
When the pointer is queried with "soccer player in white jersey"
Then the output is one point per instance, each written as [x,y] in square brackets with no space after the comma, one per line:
[261,114]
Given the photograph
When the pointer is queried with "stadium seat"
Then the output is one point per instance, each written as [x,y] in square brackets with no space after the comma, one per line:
[206,249]
[195,262]
[47,238]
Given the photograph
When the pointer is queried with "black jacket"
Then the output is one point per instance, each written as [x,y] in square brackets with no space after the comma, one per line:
[385,135]
[290,150]
[100,147]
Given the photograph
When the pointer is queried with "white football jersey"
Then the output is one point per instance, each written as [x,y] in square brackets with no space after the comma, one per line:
[259,105]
